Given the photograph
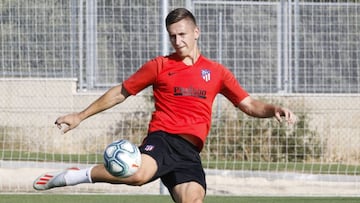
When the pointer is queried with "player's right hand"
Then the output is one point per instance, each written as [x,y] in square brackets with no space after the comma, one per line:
[70,121]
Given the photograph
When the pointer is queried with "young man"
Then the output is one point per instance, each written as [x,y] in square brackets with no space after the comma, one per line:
[185,85]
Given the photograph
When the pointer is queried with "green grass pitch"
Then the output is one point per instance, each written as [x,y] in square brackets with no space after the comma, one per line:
[55,198]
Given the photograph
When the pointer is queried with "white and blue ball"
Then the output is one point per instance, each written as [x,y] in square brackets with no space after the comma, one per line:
[122,158]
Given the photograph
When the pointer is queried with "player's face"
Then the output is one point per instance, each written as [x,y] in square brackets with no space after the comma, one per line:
[183,36]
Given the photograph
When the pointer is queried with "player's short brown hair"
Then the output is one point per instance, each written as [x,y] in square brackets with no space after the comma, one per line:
[179,14]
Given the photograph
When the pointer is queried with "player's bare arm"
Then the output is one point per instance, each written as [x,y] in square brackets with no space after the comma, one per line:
[112,97]
[259,109]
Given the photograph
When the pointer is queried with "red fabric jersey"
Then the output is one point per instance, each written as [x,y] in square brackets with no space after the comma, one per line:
[184,94]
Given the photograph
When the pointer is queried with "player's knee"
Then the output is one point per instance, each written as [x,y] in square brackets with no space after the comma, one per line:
[188,192]
[138,179]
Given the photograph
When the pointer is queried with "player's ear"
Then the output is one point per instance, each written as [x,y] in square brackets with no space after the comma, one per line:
[197,33]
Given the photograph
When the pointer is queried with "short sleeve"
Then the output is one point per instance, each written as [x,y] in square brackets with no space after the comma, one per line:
[143,77]
[232,89]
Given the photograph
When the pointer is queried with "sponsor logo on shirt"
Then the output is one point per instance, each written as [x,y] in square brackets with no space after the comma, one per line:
[190,91]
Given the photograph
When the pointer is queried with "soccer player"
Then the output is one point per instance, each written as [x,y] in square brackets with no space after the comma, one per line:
[185,84]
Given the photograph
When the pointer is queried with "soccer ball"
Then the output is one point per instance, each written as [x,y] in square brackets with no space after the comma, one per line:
[122,158]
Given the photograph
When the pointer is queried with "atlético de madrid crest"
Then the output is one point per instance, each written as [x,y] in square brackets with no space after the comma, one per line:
[205,74]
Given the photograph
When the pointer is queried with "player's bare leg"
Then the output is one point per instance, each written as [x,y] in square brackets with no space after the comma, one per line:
[188,192]
[146,171]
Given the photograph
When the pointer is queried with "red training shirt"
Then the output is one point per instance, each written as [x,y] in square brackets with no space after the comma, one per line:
[184,94]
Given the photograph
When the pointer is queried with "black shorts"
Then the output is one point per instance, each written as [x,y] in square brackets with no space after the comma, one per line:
[178,160]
